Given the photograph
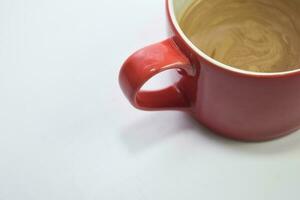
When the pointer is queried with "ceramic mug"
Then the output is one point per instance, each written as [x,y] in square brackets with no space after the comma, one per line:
[239,104]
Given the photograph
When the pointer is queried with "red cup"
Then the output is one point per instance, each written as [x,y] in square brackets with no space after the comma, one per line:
[239,104]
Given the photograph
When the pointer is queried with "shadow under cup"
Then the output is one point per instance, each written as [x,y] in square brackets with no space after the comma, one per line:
[235,103]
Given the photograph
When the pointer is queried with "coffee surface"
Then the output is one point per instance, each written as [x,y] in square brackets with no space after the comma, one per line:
[254,35]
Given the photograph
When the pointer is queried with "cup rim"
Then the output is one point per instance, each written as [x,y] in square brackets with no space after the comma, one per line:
[175,24]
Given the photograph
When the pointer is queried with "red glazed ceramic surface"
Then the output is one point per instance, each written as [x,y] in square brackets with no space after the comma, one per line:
[234,103]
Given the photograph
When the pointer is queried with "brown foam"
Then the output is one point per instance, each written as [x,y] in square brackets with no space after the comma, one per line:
[254,35]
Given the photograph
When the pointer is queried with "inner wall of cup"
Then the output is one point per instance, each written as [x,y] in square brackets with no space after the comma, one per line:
[180,7]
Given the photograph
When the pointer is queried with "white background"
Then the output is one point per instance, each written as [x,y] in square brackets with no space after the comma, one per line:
[68,133]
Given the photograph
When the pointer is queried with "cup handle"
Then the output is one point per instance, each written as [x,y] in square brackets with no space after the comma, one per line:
[148,62]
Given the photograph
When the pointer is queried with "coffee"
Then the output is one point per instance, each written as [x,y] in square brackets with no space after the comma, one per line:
[253,35]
